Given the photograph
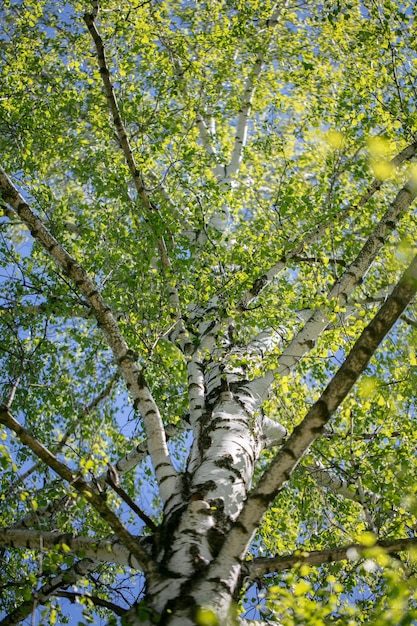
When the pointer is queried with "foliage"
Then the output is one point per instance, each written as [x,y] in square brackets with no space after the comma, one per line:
[326,96]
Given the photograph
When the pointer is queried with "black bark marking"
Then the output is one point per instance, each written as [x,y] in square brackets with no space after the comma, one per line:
[238,524]
[323,410]
[227,462]
[206,487]
[221,583]
[163,479]
[215,538]
[183,601]
[193,386]
[160,465]
[141,380]
[124,357]
[290,452]
[259,284]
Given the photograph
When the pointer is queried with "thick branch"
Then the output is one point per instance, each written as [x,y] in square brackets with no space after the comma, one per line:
[109,550]
[263,565]
[205,136]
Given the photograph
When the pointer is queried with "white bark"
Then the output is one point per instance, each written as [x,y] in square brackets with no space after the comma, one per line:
[206,135]
[273,431]
[197,398]
[192,531]
[226,466]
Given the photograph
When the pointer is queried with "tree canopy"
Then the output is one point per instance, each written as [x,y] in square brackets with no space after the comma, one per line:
[208,337]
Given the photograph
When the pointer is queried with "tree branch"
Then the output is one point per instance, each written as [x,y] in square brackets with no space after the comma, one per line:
[113,481]
[342,288]
[72,596]
[76,482]
[126,358]
[110,550]
[89,19]
[43,309]
[123,465]
[44,512]
[223,173]
[82,415]
[408,320]
[260,566]
[339,485]
[64,579]
[202,126]
[263,281]
[282,466]
[137,175]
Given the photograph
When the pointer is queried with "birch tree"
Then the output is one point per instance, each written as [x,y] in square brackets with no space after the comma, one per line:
[208,336]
